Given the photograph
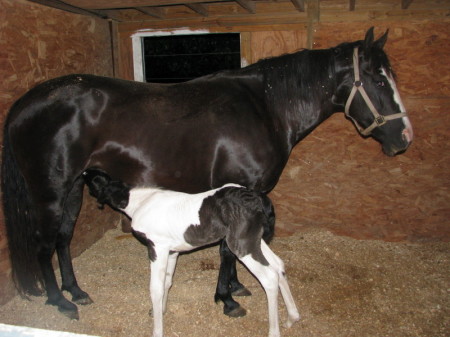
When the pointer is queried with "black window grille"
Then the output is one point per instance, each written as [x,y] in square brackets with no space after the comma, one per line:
[179,58]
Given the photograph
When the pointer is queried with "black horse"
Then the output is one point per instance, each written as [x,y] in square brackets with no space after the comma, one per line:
[233,126]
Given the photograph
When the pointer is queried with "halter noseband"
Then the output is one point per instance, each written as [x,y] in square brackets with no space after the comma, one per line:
[379,120]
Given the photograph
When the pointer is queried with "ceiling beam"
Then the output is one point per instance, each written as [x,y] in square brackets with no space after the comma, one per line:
[156,12]
[199,8]
[406,3]
[118,4]
[299,4]
[351,5]
[248,5]
[69,8]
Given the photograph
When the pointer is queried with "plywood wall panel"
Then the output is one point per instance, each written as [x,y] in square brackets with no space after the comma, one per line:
[417,50]
[273,43]
[340,181]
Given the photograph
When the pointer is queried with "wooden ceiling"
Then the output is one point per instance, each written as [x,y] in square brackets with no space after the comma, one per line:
[248,11]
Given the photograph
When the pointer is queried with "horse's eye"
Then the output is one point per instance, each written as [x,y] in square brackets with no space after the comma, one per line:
[381,84]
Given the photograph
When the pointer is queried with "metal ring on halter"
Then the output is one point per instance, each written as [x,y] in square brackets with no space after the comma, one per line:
[379,120]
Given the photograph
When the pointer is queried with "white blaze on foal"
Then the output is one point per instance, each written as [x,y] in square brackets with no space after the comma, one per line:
[169,222]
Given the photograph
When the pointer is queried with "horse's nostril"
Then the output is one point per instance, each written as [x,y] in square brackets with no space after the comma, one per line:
[407,136]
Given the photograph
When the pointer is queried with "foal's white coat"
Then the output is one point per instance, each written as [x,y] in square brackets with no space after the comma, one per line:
[163,216]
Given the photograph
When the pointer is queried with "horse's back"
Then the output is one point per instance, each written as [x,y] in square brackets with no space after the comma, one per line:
[188,136]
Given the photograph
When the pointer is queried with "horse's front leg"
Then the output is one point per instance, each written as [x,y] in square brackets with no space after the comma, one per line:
[228,282]
[71,210]
[157,289]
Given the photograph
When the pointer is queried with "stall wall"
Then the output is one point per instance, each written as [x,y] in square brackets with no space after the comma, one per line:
[338,180]
[38,43]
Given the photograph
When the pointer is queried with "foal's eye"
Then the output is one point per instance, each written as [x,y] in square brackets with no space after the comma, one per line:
[381,84]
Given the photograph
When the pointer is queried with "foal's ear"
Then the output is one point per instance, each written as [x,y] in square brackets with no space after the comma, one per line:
[382,40]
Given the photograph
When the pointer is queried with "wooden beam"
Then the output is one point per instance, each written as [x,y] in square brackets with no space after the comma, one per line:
[69,8]
[313,14]
[351,5]
[248,5]
[118,4]
[156,12]
[299,4]
[406,3]
[199,8]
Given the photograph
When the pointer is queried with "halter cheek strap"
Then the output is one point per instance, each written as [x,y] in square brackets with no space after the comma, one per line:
[379,120]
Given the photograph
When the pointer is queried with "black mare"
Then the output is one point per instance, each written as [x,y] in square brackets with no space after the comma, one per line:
[230,127]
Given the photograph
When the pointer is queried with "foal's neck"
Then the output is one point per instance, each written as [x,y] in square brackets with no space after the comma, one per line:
[137,197]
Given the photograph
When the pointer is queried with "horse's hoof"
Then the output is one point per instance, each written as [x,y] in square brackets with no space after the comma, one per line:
[70,313]
[65,307]
[236,312]
[243,291]
[83,300]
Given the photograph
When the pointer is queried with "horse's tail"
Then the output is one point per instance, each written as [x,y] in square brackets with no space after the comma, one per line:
[269,212]
[20,224]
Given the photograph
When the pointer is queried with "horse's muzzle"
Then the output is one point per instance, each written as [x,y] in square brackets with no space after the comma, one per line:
[392,150]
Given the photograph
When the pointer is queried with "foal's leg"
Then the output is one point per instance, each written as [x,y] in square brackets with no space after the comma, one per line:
[172,263]
[223,290]
[157,280]
[269,279]
[278,265]
[71,210]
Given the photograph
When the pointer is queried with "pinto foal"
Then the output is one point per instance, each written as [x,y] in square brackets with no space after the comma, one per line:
[169,222]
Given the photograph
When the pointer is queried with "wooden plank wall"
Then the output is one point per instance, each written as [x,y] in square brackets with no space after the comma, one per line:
[38,43]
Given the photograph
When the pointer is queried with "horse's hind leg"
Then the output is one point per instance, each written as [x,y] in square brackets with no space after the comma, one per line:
[223,291]
[46,237]
[71,210]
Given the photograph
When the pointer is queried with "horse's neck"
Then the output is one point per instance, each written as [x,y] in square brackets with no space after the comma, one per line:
[299,92]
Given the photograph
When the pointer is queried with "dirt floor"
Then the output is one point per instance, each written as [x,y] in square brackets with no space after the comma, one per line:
[342,287]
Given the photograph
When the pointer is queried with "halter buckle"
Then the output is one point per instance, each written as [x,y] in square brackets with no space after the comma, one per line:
[380,120]
[357,83]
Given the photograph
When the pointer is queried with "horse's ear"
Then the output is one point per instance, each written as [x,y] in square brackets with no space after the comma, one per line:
[382,40]
[368,40]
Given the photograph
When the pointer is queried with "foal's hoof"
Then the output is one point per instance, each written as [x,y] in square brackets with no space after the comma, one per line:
[243,291]
[236,312]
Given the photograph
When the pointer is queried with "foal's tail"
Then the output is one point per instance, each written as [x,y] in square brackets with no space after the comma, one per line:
[20,224]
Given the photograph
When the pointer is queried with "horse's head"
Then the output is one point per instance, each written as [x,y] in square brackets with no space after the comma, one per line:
[369,95]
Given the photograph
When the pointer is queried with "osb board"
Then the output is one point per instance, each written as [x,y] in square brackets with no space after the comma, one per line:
[268,44]
[418,51]
[38,43]
[338,180]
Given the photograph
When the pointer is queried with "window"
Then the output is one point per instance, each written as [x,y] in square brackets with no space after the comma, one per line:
[179,58]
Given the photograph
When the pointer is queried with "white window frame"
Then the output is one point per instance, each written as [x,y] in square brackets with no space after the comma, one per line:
[138,52]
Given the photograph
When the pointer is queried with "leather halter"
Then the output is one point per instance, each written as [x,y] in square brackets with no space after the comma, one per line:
[379,120]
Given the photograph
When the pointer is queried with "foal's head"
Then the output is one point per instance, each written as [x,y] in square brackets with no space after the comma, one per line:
[107,191]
